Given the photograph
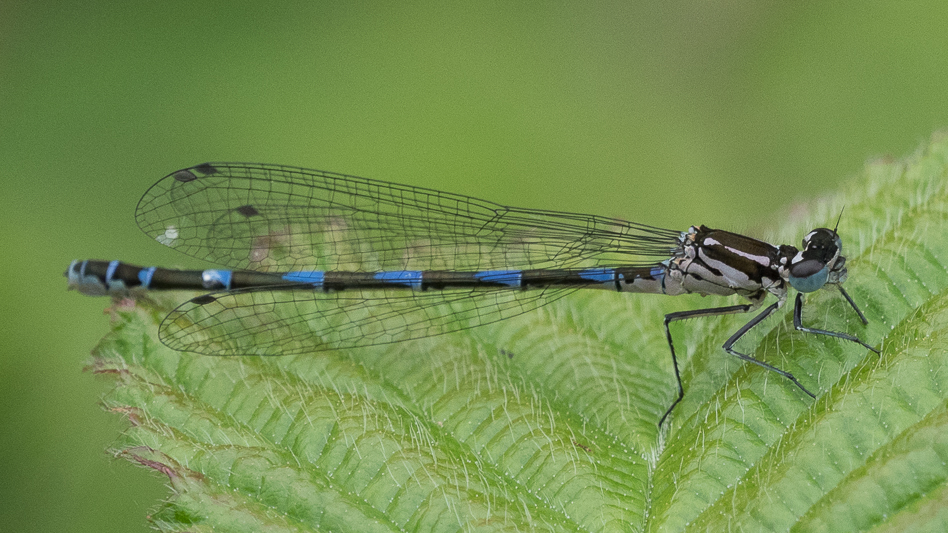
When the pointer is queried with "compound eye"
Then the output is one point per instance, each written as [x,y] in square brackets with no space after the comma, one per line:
[808,275]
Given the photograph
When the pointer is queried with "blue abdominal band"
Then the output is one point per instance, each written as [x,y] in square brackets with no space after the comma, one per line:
[409,278]
[510,278]
[311,277]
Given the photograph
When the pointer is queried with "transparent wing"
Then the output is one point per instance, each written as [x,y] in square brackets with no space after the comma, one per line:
[266,322]
[276,218]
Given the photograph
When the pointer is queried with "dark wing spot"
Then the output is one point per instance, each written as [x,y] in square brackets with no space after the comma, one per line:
[204,300]
[247,211]
[206,168]
[184,176]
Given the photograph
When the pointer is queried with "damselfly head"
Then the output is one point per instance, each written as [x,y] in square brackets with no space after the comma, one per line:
[819,262]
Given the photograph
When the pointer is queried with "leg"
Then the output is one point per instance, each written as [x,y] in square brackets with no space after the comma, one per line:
[798,321]
[747,327]
[682,315]
[853,304]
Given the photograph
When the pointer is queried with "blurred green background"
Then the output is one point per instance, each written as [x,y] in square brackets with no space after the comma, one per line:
[715,112]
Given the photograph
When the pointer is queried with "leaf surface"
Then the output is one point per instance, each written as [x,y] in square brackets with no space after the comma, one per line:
[548,421]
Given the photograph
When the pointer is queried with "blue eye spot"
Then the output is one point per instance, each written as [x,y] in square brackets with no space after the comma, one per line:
[810,282]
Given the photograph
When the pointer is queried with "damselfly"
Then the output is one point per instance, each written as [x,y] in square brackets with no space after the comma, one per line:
[321,260]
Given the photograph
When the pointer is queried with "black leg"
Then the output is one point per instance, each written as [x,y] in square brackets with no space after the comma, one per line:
[798,322]
[747,327]
[728,345]
[852,303]
[682,315]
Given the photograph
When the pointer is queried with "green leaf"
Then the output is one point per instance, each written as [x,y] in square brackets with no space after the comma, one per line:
[548,421]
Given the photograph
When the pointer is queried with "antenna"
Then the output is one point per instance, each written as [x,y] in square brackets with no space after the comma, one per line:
[838,219]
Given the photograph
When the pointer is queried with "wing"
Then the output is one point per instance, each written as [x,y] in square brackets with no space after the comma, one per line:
[266,322]
[276,218]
